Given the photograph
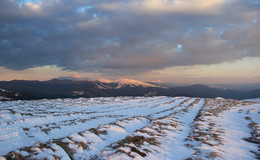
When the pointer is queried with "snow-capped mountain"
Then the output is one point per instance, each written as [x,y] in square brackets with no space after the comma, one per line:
[102,80]
[218,87]
[123,82]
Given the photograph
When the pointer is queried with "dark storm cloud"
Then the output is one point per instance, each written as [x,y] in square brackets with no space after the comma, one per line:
[134,36]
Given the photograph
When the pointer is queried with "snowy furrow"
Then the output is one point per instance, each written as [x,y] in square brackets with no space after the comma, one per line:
[83,145]
[220,129]
[164,139]
[130,128]
[20,131]
[177,107]
[20,110]
[242,133]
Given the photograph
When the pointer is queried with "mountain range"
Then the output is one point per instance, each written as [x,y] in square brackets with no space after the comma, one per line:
[65,87]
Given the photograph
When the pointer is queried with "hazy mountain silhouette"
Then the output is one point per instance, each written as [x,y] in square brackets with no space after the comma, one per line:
[64,88]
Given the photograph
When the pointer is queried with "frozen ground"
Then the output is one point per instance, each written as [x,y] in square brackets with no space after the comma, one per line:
[130,128]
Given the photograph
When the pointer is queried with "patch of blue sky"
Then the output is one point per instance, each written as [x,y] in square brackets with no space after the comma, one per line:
[84,8]
[254,1]
[220,33]
[224,41]
[94,15]
[190,30]
[179,48]
[246,51]
[4,41]
[22,2]
[112,41]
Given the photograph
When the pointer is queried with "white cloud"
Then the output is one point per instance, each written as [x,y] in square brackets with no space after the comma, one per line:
[91,24]
[109,6]
[179,6]
[136,35]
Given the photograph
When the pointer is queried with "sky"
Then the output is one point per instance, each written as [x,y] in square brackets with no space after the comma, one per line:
[176,41]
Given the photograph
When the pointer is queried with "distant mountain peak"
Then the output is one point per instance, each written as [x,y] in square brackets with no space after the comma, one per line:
[157,81]
[102,80]
[66,78]
[199,86]
[122,82]
[218,87]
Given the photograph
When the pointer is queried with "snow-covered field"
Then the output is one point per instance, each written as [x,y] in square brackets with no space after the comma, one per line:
[130,128]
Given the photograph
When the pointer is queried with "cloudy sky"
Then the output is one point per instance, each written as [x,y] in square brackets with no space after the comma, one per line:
[178,41]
